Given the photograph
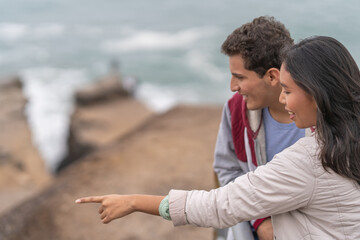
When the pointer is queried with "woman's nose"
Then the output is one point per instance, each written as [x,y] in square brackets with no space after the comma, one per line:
[282,97]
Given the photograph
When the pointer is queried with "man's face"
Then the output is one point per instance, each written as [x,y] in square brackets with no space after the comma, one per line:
[256,92]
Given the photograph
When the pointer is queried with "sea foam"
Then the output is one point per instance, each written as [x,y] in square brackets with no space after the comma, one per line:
[203,63]
[155,40]
[10,32]
[50,94]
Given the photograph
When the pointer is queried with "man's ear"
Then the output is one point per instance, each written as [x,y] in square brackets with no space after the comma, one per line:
[273,76]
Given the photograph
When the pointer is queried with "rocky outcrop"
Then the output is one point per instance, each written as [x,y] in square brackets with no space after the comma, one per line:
[131,150]
[173,150]
[108,88]
[22,170]
[104,112]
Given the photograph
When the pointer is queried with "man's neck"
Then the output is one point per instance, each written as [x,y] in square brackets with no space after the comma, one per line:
[278,112]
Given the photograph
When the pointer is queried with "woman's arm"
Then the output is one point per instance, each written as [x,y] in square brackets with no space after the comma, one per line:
[282,185]
[116,206]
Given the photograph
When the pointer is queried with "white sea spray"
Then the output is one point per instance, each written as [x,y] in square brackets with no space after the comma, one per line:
[50,93]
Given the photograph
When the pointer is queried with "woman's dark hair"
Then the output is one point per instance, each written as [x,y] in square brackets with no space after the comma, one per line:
[259,43]
[324,68]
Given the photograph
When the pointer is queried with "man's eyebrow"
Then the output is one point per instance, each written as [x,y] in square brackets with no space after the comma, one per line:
[238,75]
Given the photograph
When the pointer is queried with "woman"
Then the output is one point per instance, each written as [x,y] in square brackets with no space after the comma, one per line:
[311,189]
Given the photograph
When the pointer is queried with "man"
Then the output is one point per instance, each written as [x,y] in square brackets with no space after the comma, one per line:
[255,125]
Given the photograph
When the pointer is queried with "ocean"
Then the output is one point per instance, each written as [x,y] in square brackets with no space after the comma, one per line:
[171,47]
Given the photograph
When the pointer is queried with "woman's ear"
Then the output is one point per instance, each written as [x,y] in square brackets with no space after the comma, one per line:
[273,76]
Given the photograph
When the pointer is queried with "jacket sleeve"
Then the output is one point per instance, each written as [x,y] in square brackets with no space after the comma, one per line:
[226,164]
[284,184]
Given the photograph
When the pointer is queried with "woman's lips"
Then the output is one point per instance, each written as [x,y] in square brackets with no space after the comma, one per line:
[292,115]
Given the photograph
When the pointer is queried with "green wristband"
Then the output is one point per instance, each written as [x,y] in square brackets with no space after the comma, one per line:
[164,208]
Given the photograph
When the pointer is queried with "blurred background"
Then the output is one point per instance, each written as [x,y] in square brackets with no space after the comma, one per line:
[171,51]
[171,47]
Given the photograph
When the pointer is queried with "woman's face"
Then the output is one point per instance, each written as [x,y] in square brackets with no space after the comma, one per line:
[300,105]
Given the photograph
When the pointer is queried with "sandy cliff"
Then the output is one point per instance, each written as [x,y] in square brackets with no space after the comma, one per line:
[22,170]
[174,150]
[133,151]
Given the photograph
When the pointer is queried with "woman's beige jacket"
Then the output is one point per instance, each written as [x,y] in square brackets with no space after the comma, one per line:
[304,200]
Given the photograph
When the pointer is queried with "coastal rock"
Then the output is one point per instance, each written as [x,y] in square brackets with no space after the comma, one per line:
[173,150]
[22,170]
[107,114]
[108,88]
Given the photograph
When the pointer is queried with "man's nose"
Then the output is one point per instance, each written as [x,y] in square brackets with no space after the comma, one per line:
[234,86]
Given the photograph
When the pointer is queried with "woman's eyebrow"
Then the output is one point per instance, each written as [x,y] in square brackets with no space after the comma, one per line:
[283,85]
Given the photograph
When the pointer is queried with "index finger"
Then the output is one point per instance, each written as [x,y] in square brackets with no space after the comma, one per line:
[91,199]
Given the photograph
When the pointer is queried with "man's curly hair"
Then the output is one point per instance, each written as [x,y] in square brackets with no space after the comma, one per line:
[259,43]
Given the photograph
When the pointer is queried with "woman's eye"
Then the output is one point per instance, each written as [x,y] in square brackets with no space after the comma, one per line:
[285,92]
